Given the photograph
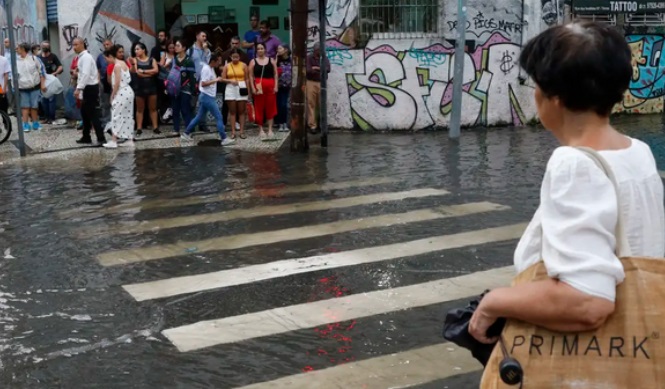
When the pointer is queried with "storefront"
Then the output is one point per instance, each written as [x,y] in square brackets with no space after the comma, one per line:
[223,19]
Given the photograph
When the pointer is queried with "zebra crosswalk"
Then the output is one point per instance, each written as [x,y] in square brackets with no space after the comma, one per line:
[408,367]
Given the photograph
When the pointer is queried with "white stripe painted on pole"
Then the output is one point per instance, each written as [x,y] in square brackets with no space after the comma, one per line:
[271,210]
[232,242]
[296,317]
[400,370]
[248,274]
[237,195]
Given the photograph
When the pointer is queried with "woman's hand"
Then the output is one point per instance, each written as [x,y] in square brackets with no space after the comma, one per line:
[234,82]
[276,88]
[480,322]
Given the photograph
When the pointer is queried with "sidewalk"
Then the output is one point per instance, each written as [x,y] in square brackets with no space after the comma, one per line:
[60,142]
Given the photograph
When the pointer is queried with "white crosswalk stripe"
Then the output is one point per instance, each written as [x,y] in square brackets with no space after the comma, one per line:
[399,370]
[271,210]
[406,368]
[237,195]
[280,320]
[290,234]
[248,274]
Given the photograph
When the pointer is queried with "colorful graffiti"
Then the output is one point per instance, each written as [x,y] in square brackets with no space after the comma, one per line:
[412,89]
[123,21]
[29,21]
[647,86]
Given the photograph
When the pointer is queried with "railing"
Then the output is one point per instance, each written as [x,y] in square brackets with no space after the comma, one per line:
[397,19]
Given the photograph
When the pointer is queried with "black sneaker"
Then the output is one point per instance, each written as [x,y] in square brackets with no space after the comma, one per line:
[139,132]
[84,141]
[156,131]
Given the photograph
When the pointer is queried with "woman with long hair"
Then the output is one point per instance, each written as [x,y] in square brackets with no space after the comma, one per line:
[236,77]
[146,71]
[122,100]
[263,80]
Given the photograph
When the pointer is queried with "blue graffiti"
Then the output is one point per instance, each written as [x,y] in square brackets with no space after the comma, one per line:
[650,82]
[428,58]
[337,56]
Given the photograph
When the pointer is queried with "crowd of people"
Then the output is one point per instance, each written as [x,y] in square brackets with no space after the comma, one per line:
[122,95]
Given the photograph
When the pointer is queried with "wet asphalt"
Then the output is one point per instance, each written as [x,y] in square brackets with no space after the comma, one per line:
[66,322]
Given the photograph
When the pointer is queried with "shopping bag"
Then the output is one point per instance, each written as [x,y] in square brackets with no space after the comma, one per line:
[53,86]
[628,351]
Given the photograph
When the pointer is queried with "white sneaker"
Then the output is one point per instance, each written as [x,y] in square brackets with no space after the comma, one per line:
[228,141]
[184,136]
[110,145]
[237,126]
[167,114]
[128,143]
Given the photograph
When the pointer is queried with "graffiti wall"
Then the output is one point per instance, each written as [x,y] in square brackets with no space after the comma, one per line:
[647,86]
[406,84]
[123,21]
[29,21]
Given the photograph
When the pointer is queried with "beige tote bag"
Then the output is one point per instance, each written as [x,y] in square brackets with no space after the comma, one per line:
[628,351]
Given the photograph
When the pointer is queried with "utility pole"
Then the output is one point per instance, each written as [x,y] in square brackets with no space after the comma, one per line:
[458,75]
[323,109]
[17,100]
[299,12]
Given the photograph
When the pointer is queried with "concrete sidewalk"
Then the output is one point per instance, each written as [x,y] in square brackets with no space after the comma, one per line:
[60,142]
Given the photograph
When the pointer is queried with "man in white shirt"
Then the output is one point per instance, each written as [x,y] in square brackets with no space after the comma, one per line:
[207,101]
[5,70]
[87,90]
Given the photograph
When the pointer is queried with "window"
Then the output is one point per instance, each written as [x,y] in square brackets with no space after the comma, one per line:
[655,20]
[390,19]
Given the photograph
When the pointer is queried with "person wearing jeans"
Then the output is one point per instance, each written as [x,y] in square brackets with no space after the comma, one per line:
[181,103]
[208,102]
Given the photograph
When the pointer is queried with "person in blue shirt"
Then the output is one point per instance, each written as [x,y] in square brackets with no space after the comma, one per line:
[249,39]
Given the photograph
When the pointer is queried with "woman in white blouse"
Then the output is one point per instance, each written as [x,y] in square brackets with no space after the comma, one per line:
[581,71]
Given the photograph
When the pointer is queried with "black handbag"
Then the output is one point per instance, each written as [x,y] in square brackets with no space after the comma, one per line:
[456,330]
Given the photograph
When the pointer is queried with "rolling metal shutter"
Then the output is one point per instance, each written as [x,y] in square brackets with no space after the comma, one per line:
[52,11]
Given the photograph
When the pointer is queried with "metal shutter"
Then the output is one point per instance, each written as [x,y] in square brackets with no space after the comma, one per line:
[52,11]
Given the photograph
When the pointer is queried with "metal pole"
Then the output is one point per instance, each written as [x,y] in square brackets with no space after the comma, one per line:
[323,109]
[299,12]
[17,99]
[458,77]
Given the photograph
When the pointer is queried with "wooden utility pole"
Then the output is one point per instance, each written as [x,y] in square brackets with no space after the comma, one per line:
[299,13]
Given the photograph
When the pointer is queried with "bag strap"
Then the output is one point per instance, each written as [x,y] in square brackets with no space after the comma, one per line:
[622,245]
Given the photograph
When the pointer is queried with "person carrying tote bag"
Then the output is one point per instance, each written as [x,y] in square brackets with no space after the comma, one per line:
[587,308]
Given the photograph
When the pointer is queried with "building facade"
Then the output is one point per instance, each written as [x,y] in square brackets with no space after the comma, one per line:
[392,60]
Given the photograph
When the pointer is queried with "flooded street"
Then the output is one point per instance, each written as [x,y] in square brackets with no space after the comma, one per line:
[205,268]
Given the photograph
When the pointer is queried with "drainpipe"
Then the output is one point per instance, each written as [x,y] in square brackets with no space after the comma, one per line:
[520,76]
[323,109]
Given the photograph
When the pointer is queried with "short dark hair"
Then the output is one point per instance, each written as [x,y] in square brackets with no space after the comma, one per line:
[265,23]
[165,32]
[113,51]
[586,65]
[214,57]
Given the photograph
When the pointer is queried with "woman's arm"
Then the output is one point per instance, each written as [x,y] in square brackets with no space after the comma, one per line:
[250,76]
[225,76]
[117,71]
[578,214]
[274,68]
[150,72]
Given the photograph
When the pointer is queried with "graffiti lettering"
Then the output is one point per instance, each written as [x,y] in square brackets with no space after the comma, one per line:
[69,32]
[426,58]
[337,56]
[413,89]
[313,31]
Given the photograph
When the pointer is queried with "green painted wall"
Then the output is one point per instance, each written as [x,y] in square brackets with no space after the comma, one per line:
[159,14]
[242,13]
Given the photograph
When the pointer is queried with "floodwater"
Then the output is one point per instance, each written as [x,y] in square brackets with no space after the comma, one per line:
[73,234]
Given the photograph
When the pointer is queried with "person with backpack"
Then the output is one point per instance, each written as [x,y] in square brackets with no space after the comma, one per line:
[180,84]
[208,87]
[31,80]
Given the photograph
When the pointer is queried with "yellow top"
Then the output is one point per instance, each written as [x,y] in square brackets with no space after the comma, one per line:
[235,72]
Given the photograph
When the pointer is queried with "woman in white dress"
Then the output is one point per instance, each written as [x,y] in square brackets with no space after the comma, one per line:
[122,102]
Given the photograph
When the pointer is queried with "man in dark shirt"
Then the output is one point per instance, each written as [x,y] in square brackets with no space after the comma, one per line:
[52,66]
[104,85]
[163,102]
[313,85]
[160,49]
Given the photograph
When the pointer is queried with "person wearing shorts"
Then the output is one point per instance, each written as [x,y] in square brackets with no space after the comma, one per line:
[236,77]
[31,82]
